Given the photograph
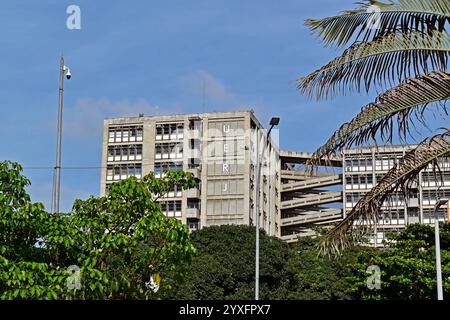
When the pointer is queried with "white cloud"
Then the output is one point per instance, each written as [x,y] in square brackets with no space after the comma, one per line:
[203,83]
[85,119]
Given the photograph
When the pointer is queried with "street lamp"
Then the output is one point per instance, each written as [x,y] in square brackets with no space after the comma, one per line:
[63,71]
[437,246]
[273,122]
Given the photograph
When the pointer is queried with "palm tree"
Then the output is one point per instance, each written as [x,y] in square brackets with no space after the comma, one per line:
[405,53]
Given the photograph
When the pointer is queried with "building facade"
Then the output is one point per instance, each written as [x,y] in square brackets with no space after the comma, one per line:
[363,168]
[220,149]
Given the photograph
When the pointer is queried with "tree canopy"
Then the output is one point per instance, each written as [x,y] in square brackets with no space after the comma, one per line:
[408,267]
[118,244]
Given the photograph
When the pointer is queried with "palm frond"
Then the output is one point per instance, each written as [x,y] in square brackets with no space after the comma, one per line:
[396,16]
[366,211]
[387,59]
[411,97]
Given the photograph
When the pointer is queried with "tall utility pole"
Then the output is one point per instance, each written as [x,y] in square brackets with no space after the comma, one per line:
[57,172]
[260,158]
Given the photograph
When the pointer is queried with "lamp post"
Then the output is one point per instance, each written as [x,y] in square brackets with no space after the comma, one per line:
[63,70]
[437,245]
[273,122]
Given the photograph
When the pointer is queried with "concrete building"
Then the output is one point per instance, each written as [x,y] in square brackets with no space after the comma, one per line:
[363,168]
[327,196]
[219,148]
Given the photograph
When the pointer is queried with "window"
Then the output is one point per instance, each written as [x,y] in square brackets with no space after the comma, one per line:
[123,171]
[166,130]
[112,135]
[193,224]
[171,208]
[125,153]
[193,204]
[348,165]
[195,125]
[173,130]
[138,170]
[169,150]
[139,134]
[125,134]
[166,166]
[133,133]
[362,181]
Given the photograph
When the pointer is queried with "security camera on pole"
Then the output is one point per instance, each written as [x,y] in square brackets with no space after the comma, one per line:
[63,71]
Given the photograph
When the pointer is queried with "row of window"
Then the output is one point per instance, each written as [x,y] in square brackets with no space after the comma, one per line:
[167,166]
[359,182]
[397,217]
[388,217]
[171,208]
[352,198]
[168,151]
[358,164]
[386,163]
[125,153]
[429,215]
[176,192]
[443,163]
[123,171]
[172,131]
[430,196]
[126,134]
[431,180]
[382,164]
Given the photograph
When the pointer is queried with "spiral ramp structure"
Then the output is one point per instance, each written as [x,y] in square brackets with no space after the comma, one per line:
[308,200]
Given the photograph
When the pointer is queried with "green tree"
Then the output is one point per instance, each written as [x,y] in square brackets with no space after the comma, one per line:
[119,241]
[224,267]
[314,277]
[408,267]
[405,44]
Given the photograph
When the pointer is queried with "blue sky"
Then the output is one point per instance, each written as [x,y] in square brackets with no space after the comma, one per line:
[154,57]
